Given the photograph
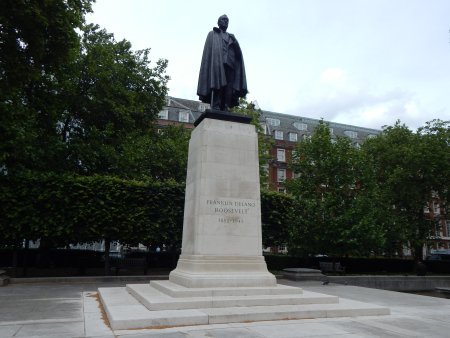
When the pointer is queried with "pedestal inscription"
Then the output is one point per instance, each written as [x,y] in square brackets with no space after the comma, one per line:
[222,244]
[232,211]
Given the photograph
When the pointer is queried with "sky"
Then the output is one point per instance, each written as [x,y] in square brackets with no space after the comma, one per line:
[366,63]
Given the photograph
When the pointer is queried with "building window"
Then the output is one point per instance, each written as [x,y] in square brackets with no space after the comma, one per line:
[282,190]
[436,209]
[163,114]
[278,135]
[202,107]
[281,155]
[183,116]
[351,133]
[448,228]
[293,137]
[282,248]
[371,136]
[281,175]
[273,122]
[301,126]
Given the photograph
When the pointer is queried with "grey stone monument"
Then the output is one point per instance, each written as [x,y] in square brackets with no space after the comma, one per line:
[221,276]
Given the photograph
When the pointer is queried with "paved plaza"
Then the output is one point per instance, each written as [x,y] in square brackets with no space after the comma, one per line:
[72,310]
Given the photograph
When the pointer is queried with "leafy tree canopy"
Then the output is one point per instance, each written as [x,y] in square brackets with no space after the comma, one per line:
[329,185]
[410,170]
[36,39]
[73,97]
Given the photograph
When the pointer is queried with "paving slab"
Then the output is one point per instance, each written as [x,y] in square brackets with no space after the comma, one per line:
[225,333]
[9,330]
[157,334]
[68,329]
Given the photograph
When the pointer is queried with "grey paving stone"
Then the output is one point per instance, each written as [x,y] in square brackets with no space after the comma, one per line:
[369,329]
[9,330]
[95,325]
[225,333]
[73,329]
[286,330]
[155,334]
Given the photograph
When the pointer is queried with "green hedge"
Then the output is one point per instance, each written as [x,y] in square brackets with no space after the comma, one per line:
[65,209]
[71,209]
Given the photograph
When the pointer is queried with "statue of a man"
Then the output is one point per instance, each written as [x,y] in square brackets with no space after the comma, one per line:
[222,73]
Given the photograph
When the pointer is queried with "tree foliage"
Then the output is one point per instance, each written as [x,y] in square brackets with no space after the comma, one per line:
[277,214]
[160,156]
[114,97]
[37,39]
[369,200]
[332,190]
[410,170]
[73,97]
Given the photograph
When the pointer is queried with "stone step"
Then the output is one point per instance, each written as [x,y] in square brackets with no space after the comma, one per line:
[154,299]
[176,290]
[345,308]
[126,312]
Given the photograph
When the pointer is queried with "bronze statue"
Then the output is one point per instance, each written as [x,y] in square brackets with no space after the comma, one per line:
[222,73]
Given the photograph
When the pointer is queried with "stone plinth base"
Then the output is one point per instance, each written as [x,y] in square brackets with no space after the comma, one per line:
[196,271]
[163,303]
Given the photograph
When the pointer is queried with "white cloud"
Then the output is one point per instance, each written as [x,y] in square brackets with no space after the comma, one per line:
[333,76]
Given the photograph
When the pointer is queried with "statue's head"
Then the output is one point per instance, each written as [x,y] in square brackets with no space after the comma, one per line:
[222,22]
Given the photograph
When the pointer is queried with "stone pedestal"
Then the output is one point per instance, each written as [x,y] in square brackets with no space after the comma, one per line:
[222,244]
[221,276]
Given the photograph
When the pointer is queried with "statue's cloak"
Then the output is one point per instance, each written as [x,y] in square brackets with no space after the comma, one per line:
[212,69]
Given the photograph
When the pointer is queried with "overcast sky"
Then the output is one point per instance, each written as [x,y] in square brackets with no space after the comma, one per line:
[360,62]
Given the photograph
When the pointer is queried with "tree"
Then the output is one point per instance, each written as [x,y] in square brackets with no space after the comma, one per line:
[73,96]
[36,39]
[410,167]
[112,97]
[331,189]
[435,137]
[160,155]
